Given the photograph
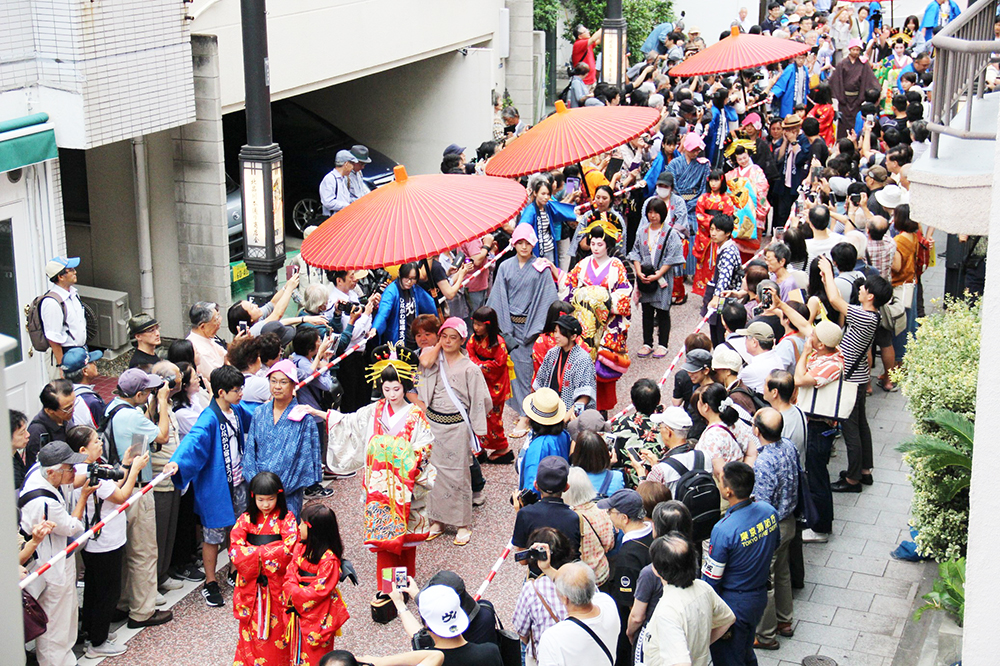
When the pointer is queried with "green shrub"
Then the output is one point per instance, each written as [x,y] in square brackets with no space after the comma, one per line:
[940,372]
[547,14]
[641,16]
[948,593]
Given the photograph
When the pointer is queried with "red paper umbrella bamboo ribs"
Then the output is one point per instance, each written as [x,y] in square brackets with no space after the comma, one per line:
[412,218]
[739,51]
[569,136]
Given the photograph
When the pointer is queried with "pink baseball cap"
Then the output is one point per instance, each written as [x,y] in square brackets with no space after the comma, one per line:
[692,142]
[752,119]
[526,232]
[457,324]
[285,367]
[855,43]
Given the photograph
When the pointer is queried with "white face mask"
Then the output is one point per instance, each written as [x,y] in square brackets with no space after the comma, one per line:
[663,192]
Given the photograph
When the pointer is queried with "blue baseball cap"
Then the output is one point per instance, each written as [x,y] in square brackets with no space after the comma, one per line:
[57,265]
[454,149]
[78,358]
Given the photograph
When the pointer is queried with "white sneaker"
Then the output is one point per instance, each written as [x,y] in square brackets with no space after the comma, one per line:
[808,536]
[160,600]
[171,584]
[105,649]
[478,498]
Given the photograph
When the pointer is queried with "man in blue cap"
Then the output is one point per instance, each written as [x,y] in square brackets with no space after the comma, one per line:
[79,367]
[626,511]
[335,190]
[61,310]
[738,564]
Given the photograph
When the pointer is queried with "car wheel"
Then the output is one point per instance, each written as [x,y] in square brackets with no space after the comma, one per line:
[306,213]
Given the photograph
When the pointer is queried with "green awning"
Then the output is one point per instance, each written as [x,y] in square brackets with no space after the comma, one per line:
[26,140]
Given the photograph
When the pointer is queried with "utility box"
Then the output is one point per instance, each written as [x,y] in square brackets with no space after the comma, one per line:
[112,314]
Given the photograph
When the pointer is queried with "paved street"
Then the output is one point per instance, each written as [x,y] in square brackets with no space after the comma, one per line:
[853,608]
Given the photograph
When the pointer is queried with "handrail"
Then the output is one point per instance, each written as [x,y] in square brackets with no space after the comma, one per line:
[963,49]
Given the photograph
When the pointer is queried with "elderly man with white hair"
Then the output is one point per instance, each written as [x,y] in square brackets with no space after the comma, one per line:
[590,632]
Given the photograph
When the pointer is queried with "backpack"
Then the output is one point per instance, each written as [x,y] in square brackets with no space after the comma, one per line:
[36,329]
[107,434]
[564,95]
[757,398]
[697,490]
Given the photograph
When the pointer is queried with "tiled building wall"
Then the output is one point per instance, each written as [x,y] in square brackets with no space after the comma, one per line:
[128,60]
[199,182]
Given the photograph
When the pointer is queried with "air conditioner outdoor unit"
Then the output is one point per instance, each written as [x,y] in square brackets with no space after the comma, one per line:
[112,312]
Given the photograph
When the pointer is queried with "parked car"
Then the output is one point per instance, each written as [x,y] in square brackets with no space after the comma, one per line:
[234,217]
[309,145]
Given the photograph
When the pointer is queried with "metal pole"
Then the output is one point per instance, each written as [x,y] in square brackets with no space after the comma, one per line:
[263,154]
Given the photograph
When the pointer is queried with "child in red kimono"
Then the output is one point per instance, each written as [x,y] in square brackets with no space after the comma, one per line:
[488,350]
[260,548]
[715,200]
[316,608]
[824,113]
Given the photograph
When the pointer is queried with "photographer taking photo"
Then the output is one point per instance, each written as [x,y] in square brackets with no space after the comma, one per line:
[104,554]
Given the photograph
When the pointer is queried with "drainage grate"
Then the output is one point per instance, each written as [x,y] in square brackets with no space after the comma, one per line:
[818,660]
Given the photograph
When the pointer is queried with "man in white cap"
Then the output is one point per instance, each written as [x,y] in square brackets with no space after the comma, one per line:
[674,423]
[63,318]
[760,345]
[335,190]
[444,618]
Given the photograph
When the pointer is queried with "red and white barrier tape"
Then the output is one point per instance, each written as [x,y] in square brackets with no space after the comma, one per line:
[493,572]
[680,354]
[347,352]
[86,536]
[492,260]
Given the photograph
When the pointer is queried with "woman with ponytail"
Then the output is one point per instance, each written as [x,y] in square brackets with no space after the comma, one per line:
[727,437]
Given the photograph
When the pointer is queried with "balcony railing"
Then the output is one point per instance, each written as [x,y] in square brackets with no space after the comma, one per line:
[962,52]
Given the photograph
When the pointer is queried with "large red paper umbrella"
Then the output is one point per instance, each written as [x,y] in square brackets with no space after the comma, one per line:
[412,218]
[739,51]
[569,136]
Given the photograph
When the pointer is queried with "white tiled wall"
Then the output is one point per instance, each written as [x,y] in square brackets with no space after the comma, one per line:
[128,60]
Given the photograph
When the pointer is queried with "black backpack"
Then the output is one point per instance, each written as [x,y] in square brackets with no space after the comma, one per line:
[757,398]
[697,490]
[107,434]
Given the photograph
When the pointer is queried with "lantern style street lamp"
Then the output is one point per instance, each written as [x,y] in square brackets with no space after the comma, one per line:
[260,161]
[614,61]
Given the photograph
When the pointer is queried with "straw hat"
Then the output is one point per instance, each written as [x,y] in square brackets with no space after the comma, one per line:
[544,407]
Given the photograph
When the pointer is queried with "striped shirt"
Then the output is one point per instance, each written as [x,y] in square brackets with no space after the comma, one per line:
[861,327]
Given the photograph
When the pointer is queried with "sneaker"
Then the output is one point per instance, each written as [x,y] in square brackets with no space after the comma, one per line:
[808,536]
[157,618]
[105,649]
[212,594]
[231,577]
[478,498]
[161,600]
[339,475]
[316,491]
[171,584]
[190,572]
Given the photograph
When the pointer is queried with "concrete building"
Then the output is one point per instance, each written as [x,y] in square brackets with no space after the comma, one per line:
[121,107]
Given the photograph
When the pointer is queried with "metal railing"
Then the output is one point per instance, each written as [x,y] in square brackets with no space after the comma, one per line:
[962,51]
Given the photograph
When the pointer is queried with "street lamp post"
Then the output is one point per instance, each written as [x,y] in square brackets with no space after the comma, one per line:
[260,161]
[613,46]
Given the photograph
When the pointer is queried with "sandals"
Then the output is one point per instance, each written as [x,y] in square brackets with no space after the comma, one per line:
[505,459]
[462,540]
[644,351]
[660,352]
[434,533]
[891,388]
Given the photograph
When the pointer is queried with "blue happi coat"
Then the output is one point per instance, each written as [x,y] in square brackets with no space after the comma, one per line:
[201,461]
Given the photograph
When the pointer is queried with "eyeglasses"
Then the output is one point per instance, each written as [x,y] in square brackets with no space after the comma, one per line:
[68,411]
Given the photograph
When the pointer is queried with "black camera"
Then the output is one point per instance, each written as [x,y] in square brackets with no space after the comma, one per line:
[344,307]
[422,640]
[97,471]
[856,198]
[536,554]
[526,497]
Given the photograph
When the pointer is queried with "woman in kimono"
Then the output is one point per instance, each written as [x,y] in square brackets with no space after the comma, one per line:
[280,440]
[603,212]
[392,441]
[748,169]
[260,548]
[488,350]
[458,401]
[715,200]
[658,248]
[316,610]
[593,284]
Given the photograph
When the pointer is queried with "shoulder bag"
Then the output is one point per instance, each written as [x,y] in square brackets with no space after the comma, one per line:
[443,373]
[835,401]
[597,639]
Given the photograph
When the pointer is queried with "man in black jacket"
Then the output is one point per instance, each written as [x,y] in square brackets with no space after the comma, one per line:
[626,512]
